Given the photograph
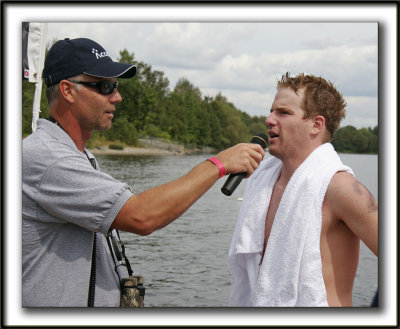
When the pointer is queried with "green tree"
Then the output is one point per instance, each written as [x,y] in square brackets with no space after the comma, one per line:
[174,119]
[342,140]
[190,99]
[351,140]
[215,127]
[122,130]
[235,131]
[257,125]
[360,140]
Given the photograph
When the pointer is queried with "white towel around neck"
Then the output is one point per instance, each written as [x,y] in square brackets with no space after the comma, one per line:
[291,271]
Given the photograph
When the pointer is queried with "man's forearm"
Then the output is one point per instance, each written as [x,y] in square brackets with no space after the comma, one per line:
[159,206]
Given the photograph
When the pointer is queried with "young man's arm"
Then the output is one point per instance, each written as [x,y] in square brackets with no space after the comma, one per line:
[356,207]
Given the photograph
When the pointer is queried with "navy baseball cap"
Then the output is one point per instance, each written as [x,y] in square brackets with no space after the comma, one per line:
[70,57]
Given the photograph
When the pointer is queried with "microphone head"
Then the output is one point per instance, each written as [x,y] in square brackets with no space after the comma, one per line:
[260,139]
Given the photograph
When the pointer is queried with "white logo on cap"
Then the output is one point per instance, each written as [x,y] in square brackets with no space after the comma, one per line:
[98,55]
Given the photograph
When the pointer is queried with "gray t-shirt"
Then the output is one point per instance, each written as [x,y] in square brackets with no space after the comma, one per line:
[65,200]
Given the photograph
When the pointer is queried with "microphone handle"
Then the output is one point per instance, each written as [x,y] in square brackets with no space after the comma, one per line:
[232,183]
[234,179]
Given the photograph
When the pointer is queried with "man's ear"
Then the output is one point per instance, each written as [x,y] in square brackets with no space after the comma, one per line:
[318,124]
[67,91]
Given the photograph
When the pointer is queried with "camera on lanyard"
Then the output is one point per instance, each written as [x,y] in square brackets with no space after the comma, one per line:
[132,289]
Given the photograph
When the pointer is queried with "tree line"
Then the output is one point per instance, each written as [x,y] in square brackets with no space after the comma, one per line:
[183,115]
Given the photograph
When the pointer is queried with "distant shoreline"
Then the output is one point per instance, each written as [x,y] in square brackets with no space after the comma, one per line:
[153,147]
[133,151]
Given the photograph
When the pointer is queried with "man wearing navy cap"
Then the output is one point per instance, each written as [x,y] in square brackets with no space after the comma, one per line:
[70,208]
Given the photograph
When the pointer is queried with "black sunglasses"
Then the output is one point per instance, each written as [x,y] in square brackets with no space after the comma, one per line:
[105,87]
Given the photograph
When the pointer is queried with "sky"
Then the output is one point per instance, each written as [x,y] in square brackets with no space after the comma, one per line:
[244,60]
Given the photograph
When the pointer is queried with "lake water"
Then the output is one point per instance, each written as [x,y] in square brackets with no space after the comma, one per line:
[186,263]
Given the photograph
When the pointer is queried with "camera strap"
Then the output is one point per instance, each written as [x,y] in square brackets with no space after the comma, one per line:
[117,250]
[92,281]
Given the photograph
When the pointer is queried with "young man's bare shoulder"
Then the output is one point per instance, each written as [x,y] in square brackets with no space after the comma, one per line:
[342,192]
[342,177]
[339,189]
[341,185]
[352,203]
[344,185]
[349,199]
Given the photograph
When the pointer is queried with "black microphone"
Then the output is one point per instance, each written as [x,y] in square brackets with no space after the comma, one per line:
[234,179]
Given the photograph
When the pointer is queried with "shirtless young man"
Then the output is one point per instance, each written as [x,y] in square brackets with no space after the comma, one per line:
[349,211]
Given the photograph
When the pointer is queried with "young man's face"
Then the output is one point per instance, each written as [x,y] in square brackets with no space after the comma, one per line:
[288,131]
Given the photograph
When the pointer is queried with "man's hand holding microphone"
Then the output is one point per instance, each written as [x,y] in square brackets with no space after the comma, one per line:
[240,161]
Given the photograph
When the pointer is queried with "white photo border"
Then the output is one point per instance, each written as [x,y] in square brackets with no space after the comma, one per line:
[16,13]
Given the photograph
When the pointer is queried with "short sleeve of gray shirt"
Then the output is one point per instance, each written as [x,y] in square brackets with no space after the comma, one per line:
[73,191]
[64,184]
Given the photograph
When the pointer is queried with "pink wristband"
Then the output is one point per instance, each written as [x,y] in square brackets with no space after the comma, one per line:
[220,166]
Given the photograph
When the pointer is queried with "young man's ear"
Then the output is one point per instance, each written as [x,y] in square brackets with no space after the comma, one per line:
[67,90]
[318,124]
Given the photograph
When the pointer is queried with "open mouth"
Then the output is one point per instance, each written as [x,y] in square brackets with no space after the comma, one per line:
[109,114]
[273,135]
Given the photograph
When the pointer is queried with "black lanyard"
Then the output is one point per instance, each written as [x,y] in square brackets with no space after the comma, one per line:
[92,281]
[118,253]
